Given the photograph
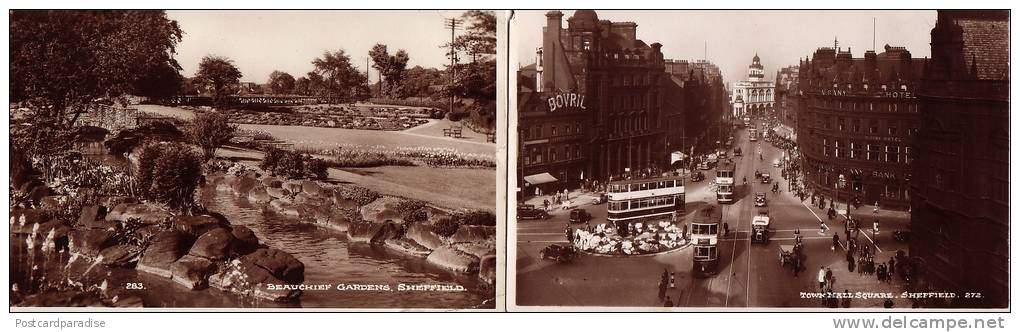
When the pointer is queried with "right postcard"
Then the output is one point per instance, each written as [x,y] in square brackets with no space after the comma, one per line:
[759,160]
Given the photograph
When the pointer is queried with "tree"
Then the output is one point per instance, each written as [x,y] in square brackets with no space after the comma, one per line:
[281,83]
[209,131]
[418,81]
[339,77]
[220,74]
[168,173]
[391,67]
[301,86]
[477,80]
[162,82]
[63,61]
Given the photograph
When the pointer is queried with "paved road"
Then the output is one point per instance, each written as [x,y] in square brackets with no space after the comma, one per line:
[749,274]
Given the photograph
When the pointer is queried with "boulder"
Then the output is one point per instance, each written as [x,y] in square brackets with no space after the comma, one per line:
[213,245]
[423,235]
[89,242]
[192,271]
[434,214]
[487,269]
[163,250]
[272,182]
[277,192]
[147,214]
[304,198]
[366,232]
[285,207]
[243,185]
[479,250]
[259,195]
[244,242]
[382,210]
[197,225]
[120,255]
[280,264]
[38,193]
[407,246]
[294,186]
[248,279]
[454,260]
[472,233]
[311,188]
[93,217]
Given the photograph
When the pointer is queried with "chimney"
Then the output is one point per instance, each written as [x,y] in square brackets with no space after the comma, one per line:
[550,45]
[538,70]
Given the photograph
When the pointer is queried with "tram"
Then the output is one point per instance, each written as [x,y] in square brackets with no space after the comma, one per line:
[705,240]
[724,174]
[646,200]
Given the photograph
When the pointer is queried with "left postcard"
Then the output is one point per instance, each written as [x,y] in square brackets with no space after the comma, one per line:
[255,160]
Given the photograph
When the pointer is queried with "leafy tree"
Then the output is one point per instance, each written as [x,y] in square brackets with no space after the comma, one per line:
[281,83]
[392,68]
[339,77]
[301,86]
[419,81]
[63,61]
[161,82]
[210,130]
[476,80]
[220,74]
[168,173]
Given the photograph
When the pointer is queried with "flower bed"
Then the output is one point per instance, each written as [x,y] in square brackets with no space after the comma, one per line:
[348,155]
[644,239]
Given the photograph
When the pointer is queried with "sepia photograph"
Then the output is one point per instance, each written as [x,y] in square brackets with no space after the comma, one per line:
[753,159]
[236,159]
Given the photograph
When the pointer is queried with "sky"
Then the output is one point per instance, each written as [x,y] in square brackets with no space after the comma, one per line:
[260,42]
[780,38]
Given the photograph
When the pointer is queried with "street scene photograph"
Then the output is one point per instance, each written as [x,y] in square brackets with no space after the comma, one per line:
[235,159]
[824,160]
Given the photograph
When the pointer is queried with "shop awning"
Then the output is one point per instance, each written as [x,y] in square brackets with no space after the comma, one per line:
[783,131]
[540,178]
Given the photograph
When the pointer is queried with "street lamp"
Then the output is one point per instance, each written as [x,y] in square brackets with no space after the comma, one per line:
[842,184]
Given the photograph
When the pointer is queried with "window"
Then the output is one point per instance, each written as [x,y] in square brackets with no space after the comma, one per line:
[874,129]
[553,131]
[577,151]
[825,147]
[566,152]
[524,132]
[892,131]
[538,155]
[873,152]
[892,154]
[907,157]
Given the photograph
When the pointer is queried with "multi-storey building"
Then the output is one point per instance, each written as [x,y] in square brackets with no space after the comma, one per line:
[754,95]
[857,119]
[960,192]
[701,94]
[787,100]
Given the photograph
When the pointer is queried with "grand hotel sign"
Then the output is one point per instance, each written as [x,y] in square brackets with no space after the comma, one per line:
[881,94]
[566,100]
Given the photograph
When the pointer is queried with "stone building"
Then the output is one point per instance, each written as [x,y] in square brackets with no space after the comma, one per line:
[787,101]
[753,96]
[960,193]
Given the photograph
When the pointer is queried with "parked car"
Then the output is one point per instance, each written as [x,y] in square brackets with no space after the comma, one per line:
[697,176]
[759,199]
[704,166]
[529,212]
[601,198]
[579,216]
[558,253]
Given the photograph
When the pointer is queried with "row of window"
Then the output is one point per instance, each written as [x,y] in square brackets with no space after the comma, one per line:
[629,124]
[554,153]
[642,203]
[550,130]
[855,125]
[890,107]
[865,151]
[650,185]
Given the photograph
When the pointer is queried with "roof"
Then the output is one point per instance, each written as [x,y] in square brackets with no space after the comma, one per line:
[708,215]
[986,45]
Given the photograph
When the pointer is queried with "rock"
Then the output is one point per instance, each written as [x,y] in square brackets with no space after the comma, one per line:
[248,279]
[477,249]
[128,301]
[294,186]
[487,269]
[280,264]
[311,188]
[213,245]
[382,210]
[272,182]
[472,233]
[366,232]
[407,246]
[285,207]
[145,213]
[111,201]
[277,192]
[259,195]
[423,235]
[197,225]
[164,249]
[243,185]
[303,198]
[454,260]
[191,271]
[51,202]
[89,242]
[244,242]
[148,231]
[120,255]
[434,214]
[93,217]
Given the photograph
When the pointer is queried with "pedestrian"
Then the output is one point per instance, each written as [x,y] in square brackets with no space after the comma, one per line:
[821,277]
[668,303]
[876,207]
[546,204]
[830,277]
[892,265]
[662,289]
[850,262]
[860,265]
[835,241]
[846,298]
[888,303]
[570,235]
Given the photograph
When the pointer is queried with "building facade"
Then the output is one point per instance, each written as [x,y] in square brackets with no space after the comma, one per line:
[787,101]
[696,89]
[753,96]
[960,196]
[857,119]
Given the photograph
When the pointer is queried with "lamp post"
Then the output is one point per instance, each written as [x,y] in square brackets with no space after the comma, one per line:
[842,184]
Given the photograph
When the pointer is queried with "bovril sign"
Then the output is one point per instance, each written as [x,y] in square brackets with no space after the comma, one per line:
[575,100]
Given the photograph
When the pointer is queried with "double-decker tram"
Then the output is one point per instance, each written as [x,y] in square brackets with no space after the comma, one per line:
[724,174]
[646,200]
[705,240]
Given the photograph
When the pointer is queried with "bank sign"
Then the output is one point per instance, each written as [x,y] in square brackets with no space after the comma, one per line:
[574,100]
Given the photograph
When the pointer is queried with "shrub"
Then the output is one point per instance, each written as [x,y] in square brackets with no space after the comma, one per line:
[316,168]
[357,194]
[478,218]
[210,130]
[294,165]
[169,173]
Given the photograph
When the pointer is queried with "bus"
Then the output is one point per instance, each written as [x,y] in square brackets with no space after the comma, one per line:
[646,200]
[705,240]
[724,181]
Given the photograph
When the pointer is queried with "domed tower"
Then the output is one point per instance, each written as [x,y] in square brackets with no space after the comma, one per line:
[755,72]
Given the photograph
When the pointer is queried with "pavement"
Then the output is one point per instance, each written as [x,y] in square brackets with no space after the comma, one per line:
[749,274]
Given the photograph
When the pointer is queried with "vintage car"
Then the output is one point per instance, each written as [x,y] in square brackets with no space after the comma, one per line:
[736,152]
[765,178]
[600,198]
[760,227]
[705,166]
[697,176]
[579,216]
[759,199]
[558,253]
[776,163]
[528,211]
